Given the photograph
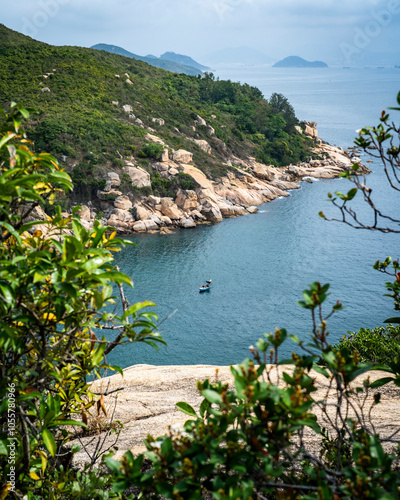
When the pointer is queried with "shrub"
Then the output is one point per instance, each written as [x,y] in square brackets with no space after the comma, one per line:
[56,278]
[379,345]
[152,150]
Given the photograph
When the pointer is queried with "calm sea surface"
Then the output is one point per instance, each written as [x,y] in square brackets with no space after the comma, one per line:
[260,263]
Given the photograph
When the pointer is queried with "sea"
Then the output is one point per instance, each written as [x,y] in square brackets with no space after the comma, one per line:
[260,264]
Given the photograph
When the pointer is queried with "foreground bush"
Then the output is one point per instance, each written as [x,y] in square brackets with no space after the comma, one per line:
[55,279]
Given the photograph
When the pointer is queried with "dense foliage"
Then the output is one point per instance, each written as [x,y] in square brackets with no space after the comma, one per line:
[379,346]
[81,120]
[56,277]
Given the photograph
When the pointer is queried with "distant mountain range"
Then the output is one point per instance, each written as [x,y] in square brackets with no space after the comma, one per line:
[183,60]
[168,61]
[238,55]
[298,62]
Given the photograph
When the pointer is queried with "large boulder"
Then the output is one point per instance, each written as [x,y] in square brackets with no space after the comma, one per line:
[142,213]
[211,212]
[127,108]
[231,210]
[182,156]
[150,225]
[170,209]
[203,145]
[108,195]
[186,200]
[200,121]
[112,181]
[155,139]
[123,202]
[187,222]
[84,213]
[139,176]
[139,226]
[122,215]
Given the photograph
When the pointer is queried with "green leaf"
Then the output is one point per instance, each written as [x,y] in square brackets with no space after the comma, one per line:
[49,441]
[392,320]
[187,409]
[382,381]
[136,307]
[212,396]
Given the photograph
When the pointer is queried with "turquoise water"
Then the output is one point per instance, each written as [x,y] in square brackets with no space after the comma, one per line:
[260,263]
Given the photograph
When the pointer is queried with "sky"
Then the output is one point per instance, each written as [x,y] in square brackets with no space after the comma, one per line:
[339,32]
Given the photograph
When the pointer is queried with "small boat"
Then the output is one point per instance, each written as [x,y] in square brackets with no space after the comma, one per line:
[205,287]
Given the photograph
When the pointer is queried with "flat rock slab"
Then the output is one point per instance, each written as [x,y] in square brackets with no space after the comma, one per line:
[145,398]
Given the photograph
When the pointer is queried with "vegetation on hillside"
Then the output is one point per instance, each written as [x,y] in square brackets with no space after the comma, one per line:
[81,120]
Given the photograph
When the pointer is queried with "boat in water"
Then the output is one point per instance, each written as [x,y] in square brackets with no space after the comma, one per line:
[205,287]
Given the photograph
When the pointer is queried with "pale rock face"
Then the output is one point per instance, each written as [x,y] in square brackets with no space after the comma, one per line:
[299,129]
[252,209]
[139,176]
[142,213]
[166,220]
[150,225]
[155,139]
[129,81]
[127,108]
[182,156]
[169,209]
[203,145]
[122,215]
[172,172]
[116,103]
[263,173]
[112,181]
[160,121]
[187,222]
[211,211]
[139,226]
[200,121]
[84,213]
[164,155]
[123,202]
[153,200]
[231,210]
[186,200]
[139,122]
[210,130]
[196,215]
[310,129]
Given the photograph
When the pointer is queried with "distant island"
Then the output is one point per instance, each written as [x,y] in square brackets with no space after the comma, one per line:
[169,61]
[298,62]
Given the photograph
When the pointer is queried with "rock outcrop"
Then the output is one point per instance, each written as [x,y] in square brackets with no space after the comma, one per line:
[246,185]
[145,398]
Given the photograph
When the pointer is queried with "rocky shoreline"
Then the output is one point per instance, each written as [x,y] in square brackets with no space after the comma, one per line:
[247,184]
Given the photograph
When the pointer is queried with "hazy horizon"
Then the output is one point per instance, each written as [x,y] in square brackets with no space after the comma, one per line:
[339,33]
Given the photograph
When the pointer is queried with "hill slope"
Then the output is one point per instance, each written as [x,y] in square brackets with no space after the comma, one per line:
[185,60]
[167,64]
[95,110]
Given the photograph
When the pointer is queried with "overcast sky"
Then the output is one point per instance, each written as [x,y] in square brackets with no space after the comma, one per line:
[329,30]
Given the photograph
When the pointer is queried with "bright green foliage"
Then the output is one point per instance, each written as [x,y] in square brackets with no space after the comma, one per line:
[152,150]
[55,279]
[379,346]
[253,440]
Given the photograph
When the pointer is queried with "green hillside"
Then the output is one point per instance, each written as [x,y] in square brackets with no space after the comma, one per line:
[81,121]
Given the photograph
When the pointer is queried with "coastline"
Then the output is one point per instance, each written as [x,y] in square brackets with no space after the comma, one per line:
[247,184]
